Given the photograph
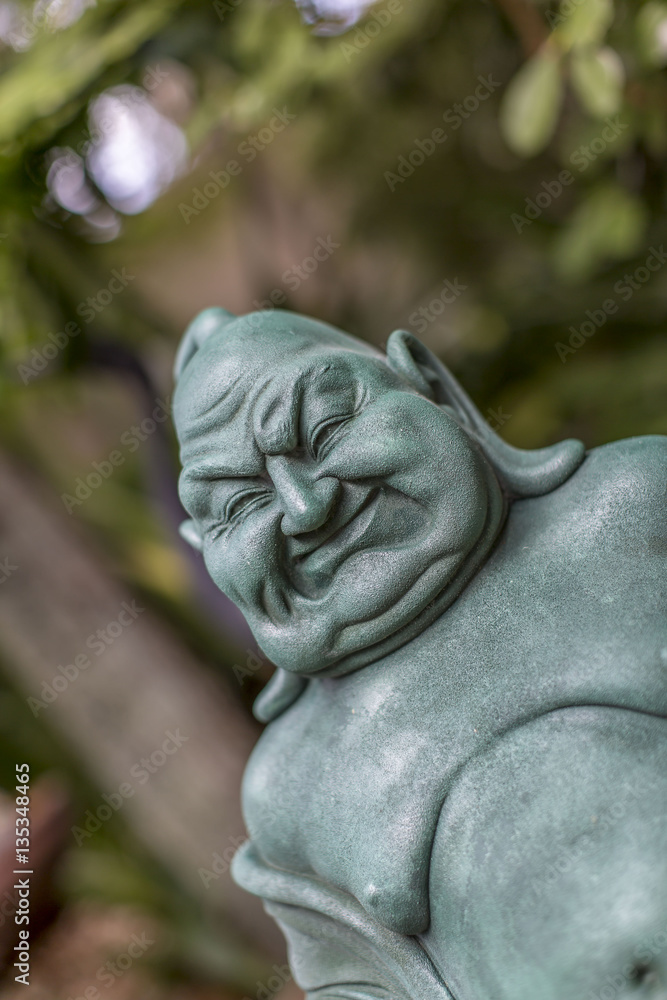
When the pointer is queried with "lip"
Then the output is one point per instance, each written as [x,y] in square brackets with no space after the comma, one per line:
[354,525]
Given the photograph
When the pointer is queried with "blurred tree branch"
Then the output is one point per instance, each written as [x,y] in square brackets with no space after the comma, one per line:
[527,22]
[147,685]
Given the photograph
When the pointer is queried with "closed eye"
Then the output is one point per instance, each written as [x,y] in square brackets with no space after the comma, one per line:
[243,503]
[324,435]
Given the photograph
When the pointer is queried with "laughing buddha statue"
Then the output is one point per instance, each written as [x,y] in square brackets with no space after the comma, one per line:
[462,790]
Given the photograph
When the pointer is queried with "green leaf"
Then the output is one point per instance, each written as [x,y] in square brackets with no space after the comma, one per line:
[598,79]
[609,225]
[651,28]
[584,22]
[531,104]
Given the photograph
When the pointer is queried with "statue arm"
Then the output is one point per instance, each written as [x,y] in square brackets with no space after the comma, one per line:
[337,951]
[279,694]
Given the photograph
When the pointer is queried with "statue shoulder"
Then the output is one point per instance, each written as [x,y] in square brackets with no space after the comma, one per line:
[620,489]
[647,454]
[634,470]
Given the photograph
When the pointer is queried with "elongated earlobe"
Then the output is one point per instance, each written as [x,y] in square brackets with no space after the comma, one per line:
[522,473]
[190,532]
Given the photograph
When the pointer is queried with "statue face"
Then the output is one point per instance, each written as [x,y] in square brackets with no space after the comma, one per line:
[333,501]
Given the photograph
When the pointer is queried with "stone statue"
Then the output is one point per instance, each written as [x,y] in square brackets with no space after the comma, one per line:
[462,792]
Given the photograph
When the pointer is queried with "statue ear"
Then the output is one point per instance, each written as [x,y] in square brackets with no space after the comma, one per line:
[204,325]
[425,372]
[190,532]
[521,473]
[408,357]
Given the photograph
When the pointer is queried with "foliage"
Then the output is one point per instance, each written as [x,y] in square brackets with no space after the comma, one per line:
[480,206]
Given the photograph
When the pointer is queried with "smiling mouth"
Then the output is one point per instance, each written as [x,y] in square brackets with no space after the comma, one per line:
[340,536]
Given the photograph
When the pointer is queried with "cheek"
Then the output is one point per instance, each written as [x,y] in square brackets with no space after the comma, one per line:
[410,443]
[220,560]
[240,561]
[421,452]
[383,440]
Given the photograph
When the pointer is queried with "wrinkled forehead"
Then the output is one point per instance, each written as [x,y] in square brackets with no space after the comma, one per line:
[247,377]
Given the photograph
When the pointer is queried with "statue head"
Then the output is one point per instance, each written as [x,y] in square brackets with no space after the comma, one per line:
[341,496]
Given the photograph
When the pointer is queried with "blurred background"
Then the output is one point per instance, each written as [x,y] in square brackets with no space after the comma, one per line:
[486,173]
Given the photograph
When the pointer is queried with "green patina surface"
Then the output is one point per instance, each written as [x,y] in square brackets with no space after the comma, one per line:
[462,791]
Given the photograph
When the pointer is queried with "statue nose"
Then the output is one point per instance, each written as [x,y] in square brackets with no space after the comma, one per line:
[307,502]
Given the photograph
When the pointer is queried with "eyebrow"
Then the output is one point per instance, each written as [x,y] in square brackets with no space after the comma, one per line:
[222,407]
[276,431]
[276,421]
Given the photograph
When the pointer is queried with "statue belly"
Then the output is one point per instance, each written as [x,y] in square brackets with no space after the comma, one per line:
[549,868]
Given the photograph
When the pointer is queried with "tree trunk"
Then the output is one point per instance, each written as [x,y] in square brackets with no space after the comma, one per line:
[143,695]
